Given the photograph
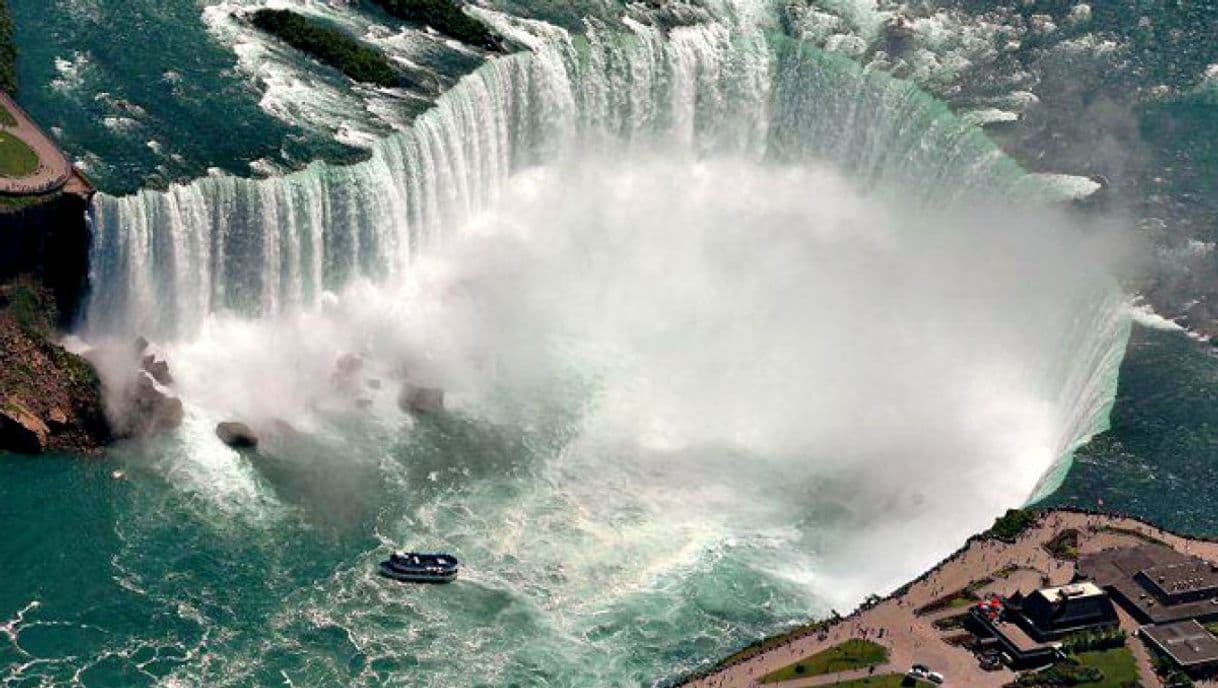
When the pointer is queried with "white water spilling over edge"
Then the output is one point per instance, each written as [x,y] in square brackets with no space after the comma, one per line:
[165,261]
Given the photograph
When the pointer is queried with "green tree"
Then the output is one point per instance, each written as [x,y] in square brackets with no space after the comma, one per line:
[329,45]
[8,51]
[446,17]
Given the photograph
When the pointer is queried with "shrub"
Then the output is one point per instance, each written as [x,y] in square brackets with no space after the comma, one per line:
[1094,641]
[1061,674]
[446,17]
[329,45]
[8,51]
[1012,523]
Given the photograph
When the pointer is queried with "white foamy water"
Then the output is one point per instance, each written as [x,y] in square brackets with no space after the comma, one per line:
[720,319]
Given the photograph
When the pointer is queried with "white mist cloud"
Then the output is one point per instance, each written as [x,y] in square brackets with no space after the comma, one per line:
[738,343]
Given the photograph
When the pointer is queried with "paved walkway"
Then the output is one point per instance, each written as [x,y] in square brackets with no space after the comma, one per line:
[53,171]
[914,639]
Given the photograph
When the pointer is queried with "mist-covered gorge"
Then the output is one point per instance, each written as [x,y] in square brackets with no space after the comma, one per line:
[721,318]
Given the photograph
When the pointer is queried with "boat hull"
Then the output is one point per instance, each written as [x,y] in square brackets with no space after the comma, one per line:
[416,576]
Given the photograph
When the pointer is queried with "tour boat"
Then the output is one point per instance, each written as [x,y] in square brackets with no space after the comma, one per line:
[421,567]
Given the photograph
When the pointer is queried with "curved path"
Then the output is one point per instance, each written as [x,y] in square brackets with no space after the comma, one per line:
[53,171]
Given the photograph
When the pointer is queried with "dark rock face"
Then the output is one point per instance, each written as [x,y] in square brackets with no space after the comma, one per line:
[50,243]
[50,399]
[420,400]
[237,435]
[21,431]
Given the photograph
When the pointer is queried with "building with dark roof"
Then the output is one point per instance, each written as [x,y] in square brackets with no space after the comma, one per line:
[1052,613]
[1187,643]
[1191,581]
[1028,627]
[1155,583]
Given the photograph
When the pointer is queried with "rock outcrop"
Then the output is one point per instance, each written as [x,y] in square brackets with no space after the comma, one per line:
[142,404]
[50,399]
[237,435]
[418,400]
[21,430]
[146,409]
[158,369]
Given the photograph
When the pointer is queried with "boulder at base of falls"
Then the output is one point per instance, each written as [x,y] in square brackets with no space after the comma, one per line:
[50,398]
[157,368]
[146,409]
[237,435]
[138,395]
[420,400]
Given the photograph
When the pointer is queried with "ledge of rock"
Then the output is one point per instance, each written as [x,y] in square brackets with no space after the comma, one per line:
[50,399]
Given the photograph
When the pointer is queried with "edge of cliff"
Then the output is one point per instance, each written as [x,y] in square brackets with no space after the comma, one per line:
[50,398]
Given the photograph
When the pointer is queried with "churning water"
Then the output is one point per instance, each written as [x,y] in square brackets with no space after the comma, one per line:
[721,319]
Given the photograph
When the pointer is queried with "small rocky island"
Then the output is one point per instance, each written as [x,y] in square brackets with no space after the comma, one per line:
[1044,598]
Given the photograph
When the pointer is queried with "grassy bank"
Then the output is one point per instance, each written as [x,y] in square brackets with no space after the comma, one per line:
[329,46]
[850,655]
[16,158]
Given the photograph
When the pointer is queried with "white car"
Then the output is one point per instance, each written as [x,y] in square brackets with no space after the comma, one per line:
[934,677]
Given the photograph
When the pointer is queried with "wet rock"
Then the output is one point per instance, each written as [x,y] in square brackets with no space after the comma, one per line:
[141,345]
[20,430]
[415,399]
[237,435]
[148,410]
[898,36]
[346,371]
[158,369]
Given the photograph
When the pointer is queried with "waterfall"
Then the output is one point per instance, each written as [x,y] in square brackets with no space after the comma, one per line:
[164,260]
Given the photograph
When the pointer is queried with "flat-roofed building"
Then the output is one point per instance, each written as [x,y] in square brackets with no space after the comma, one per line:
[1155,583]
[1191,581]
[1187,643]
[1051,613]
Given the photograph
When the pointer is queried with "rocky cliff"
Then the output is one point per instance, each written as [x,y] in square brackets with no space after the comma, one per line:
[50,399]
[48,239]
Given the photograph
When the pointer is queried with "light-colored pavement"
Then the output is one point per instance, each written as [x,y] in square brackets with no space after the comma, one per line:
[53,171]
[911,638]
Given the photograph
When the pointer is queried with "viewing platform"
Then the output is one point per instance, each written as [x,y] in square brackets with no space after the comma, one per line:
[31,163]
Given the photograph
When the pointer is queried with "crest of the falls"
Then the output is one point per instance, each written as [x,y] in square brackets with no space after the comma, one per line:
[163,260]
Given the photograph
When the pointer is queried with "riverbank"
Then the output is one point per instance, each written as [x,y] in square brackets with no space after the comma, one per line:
[909,622]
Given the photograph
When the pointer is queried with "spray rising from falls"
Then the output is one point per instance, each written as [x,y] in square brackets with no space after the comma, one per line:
[165,260]
[659,276]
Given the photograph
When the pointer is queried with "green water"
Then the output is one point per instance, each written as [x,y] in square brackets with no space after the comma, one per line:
[148,577]
[215,570]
